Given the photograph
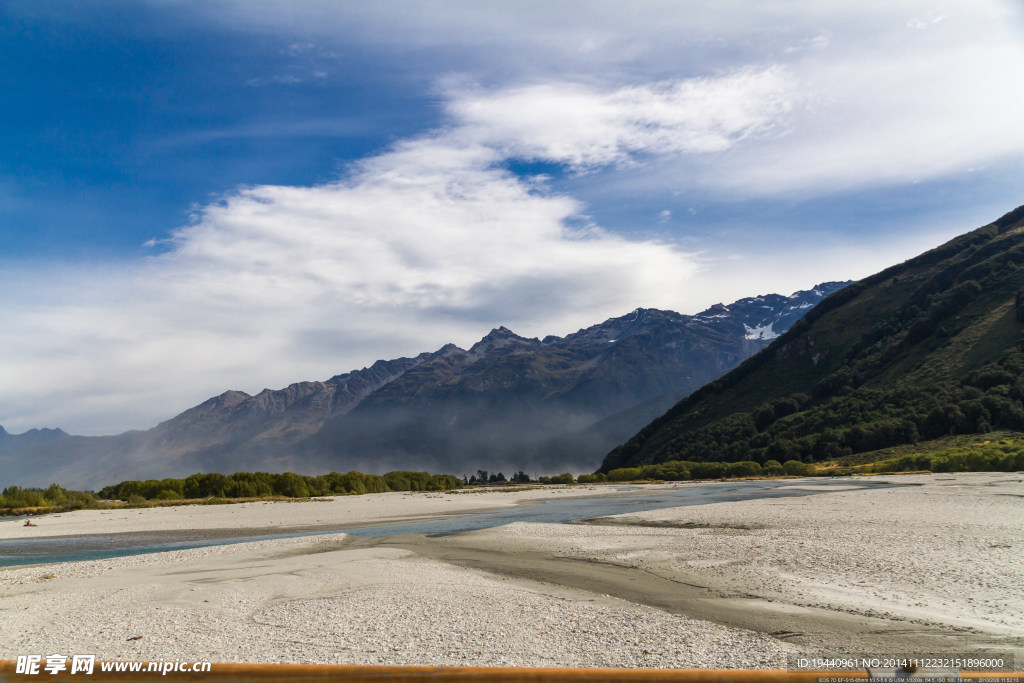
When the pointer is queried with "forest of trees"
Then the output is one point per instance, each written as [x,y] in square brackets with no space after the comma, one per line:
[14,497]
[683,470]
[520,477]
[219,487]
[287,484]
[841,418]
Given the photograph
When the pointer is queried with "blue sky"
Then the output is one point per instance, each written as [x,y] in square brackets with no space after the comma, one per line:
[197,197]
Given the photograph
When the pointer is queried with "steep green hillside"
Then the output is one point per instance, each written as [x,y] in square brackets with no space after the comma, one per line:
[927,348]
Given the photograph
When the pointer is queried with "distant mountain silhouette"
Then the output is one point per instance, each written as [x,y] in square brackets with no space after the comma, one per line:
[507,402]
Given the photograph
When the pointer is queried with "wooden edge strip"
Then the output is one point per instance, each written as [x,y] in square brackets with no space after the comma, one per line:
[258,673]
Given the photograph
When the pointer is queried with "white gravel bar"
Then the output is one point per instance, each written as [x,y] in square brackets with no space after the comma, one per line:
[304,600]
[948,551]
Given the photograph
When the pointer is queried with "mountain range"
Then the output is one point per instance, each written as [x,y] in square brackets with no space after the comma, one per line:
[926,349]
[507,402]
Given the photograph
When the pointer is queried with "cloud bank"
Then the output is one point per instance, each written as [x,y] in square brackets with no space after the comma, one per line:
[583,127]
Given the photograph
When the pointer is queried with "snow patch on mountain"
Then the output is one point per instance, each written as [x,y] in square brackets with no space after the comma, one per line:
[760,332]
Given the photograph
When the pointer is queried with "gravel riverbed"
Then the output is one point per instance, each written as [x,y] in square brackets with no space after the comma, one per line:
[309,601]
[937,560]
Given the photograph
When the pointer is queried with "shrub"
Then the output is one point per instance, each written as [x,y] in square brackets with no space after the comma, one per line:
[55,495]
[625,474]
[797,468]
[707,470]
[17,497]
[671,471]
[292,485]
[744,468]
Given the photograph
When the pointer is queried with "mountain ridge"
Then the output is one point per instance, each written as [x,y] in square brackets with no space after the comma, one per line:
[397,411]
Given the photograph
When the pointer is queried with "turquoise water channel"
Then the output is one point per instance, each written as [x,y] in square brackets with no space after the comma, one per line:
[564,511]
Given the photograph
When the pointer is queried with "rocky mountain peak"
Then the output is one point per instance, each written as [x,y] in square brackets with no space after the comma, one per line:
[501,338]
[638,321]
[449,349]
[228,399]
[501,333]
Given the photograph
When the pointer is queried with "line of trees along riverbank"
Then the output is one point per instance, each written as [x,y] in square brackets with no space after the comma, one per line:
[1004,453]
[286,484]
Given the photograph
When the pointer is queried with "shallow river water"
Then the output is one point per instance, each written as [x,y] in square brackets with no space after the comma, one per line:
[617,501]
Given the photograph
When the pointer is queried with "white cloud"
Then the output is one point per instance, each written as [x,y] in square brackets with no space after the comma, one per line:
[285,79]
[585,127]
[890,117]
[427,226]
[922,23]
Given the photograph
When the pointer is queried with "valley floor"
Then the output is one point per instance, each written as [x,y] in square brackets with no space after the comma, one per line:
[928,569]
